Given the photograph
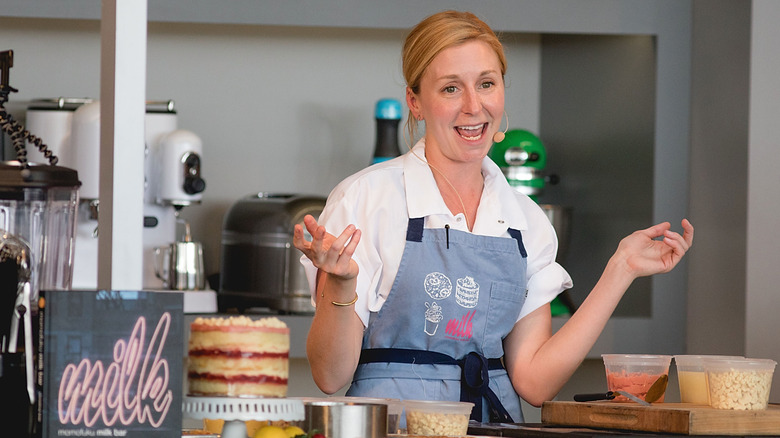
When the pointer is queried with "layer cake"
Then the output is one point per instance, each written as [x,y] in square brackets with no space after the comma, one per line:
[237,356]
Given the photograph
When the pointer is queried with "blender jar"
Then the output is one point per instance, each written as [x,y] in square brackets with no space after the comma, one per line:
[38,204]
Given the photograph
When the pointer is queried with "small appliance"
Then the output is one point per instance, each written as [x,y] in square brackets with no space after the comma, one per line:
[522,158]
[172,180]
[259,265]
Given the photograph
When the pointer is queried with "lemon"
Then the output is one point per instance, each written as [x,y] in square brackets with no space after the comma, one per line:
[270,432]
[293,431]
[253,426]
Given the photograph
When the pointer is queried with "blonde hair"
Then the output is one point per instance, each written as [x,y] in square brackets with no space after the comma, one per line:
[434,34]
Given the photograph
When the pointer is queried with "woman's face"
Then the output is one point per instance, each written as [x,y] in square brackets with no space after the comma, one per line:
[461,99]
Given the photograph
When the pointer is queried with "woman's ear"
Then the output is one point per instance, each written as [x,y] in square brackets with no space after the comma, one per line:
[412,103]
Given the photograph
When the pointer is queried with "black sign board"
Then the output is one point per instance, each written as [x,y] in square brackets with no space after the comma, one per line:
[109,364]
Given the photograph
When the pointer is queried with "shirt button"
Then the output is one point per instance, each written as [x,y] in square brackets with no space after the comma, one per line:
[500,221]
[458,219]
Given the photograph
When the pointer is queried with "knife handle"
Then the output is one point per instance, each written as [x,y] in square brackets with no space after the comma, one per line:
[594,396]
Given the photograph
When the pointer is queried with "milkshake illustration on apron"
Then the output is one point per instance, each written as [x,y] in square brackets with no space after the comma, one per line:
[439,334]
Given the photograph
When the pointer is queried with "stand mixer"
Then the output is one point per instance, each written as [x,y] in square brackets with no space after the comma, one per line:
[172,181]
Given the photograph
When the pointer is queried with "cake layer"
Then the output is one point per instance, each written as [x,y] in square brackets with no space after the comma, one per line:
[245,341]
[229,366]
[222,387]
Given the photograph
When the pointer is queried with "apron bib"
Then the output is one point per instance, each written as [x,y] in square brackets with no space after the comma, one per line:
[439,334]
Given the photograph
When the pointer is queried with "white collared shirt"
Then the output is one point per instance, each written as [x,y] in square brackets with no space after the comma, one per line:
[380,199]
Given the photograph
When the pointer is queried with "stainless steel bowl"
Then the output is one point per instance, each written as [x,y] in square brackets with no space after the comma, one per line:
[346,420]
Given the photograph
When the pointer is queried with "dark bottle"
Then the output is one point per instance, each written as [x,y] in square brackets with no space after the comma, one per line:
[388,115]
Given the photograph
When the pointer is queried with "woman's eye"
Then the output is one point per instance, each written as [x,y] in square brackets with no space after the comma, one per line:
[450,89]
[487,84]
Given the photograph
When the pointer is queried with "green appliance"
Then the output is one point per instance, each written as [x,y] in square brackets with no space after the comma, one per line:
[522,157]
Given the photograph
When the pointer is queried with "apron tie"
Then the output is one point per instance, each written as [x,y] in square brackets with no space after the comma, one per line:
[474,379]
[474,385]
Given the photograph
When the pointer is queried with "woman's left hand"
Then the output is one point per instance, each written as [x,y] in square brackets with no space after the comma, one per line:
[644,254]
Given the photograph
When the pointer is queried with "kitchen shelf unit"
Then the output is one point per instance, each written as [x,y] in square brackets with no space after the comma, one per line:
[667,22]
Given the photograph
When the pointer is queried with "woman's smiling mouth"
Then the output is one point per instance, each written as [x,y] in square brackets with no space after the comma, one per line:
[471,133]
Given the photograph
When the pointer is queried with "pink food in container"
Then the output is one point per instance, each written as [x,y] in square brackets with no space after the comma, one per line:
[634,373]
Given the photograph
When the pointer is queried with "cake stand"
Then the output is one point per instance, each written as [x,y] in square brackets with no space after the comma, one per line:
[236,410]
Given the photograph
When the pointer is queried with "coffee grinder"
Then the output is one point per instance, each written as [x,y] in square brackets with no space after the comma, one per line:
[37,224]
[523,158]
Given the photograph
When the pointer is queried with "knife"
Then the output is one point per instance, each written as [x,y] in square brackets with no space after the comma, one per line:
[609,395]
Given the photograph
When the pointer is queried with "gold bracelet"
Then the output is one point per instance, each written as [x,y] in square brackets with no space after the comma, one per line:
[354,300]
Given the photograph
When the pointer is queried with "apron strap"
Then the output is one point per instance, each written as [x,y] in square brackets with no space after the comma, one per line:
[517,235]
[474,382]
[414,230]
[474,385]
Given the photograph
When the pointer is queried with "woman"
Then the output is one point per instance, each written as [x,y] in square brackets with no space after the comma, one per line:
[439,282]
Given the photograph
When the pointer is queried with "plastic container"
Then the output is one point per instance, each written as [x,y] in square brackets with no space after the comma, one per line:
[437,418]
[739,383]
[692,378]
[634,373]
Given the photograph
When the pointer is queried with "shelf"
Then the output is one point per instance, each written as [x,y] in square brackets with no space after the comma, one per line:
[595,16]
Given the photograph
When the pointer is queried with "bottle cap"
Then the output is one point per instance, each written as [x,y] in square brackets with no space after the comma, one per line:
[388,109]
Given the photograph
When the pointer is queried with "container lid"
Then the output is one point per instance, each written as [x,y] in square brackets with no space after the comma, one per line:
[388,109]
[13,176]
[439,406]
[637,359]
[737,364]
[697,359]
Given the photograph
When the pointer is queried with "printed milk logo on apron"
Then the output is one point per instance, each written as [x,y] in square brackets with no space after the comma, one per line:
[439,287]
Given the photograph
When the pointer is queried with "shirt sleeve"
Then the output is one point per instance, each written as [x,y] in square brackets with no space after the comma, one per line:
[545,277]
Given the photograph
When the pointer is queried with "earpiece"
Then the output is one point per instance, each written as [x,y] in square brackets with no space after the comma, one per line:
[499,136]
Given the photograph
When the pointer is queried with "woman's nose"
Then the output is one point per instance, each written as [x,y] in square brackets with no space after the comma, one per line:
[472,104]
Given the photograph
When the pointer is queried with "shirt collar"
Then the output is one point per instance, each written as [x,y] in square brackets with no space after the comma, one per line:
[498,208]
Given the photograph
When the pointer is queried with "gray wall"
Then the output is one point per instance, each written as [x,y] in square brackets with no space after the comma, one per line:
[597,122]
[719,142]
[763,217]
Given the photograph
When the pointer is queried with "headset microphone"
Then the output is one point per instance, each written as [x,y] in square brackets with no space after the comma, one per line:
[499,136]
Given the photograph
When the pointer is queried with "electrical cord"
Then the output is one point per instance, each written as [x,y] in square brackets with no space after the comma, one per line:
[19,135]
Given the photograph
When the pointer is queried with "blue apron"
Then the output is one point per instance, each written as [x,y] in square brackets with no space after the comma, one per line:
[439,335]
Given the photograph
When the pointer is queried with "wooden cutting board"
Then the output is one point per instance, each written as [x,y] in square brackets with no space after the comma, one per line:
[677,418]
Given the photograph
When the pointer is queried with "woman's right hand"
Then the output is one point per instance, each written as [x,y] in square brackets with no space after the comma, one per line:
[328,253]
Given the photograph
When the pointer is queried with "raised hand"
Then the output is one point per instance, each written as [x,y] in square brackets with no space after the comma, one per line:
[327,252]
[645,254]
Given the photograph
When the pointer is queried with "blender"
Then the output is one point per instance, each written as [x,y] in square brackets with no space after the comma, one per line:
[37,225]
[522,158]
